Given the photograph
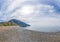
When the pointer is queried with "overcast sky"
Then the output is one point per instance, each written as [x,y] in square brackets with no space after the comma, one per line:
[42,15]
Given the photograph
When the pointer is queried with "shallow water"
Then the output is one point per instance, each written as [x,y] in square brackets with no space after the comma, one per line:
[44,29]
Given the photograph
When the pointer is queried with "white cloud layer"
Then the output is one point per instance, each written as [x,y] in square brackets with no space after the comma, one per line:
[40,14]
[43,18]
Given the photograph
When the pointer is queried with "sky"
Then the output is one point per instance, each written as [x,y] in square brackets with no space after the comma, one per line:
[42,15]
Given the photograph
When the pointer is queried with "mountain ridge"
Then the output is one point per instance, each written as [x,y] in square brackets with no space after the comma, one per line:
[14,22]
[20,23]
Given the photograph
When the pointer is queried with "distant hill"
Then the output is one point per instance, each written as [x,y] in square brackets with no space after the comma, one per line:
[20,23]
[14,22]
[7,24]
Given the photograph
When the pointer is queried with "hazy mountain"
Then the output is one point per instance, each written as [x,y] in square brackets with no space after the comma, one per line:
[14,22]
[20,23]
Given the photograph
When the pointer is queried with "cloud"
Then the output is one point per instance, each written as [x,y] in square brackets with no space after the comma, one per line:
[43,18]
[42,15]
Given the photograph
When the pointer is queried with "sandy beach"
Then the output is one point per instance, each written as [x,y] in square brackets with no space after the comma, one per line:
[19,34]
